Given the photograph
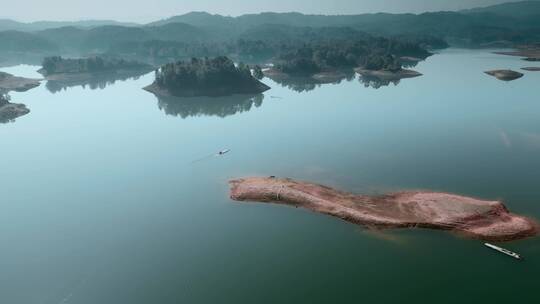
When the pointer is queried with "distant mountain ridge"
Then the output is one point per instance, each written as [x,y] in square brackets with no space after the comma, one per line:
[510,9]
[8,24]
[204,33]
[521,9]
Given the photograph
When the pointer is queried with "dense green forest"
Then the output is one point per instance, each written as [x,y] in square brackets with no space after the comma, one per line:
[216,76]
[372,53]
[94,64]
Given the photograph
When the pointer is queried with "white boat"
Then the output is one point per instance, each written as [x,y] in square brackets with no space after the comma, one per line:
[504,251]
[223,151]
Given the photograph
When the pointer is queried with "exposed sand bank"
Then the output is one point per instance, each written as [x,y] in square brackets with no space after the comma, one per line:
[332,76]
[388,75]
[9,82]
[487,220]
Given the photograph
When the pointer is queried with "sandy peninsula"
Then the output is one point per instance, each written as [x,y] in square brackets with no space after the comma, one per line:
[388,75]
[475,218]
[9,82]
[505,75]
[331,76]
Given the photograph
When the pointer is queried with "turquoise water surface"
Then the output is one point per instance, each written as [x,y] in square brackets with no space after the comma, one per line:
[108,195]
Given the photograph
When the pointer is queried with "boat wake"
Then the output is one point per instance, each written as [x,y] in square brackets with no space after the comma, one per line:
[210,156]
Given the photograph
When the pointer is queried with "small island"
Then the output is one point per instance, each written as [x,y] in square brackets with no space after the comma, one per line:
[205,77]
[9,111]
[482,219]
[531,69]
[9,82]
[328,63]
[505,75]
[386,68]
[69,69]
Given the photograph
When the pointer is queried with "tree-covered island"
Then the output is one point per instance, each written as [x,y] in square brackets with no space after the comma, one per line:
[330,60]
[205,77]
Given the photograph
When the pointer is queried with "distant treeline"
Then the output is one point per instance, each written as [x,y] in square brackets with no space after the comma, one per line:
[262,48]
[57,64]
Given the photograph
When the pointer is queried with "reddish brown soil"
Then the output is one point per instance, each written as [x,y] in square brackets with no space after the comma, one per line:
[487,220]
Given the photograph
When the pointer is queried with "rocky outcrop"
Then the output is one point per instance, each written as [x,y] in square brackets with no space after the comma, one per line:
[10,111]
[482,219]
[505,75]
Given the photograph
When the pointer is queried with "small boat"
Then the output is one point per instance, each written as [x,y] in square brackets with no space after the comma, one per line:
[223,151]
[504,251]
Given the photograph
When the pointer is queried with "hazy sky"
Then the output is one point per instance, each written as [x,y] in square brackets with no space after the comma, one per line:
[149,10]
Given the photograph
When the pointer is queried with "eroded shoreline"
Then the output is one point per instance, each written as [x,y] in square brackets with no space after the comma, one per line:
[481,219]
[9,82]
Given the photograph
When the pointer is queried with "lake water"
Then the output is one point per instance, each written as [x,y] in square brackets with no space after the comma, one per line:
[102,202]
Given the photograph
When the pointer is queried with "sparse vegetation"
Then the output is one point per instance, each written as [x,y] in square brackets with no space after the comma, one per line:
[257,72]
[4,98]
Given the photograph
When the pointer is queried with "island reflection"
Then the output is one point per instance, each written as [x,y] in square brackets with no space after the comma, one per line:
[376,82]
[208,106]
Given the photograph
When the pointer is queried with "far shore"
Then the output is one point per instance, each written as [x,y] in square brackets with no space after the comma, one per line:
[89,75]
[531,69]
[530,53]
